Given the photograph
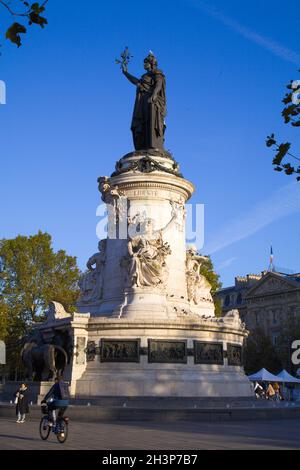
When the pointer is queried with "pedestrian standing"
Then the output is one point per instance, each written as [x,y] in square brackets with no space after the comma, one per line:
[258,390]
[270,392]
[21,401]
[277,391]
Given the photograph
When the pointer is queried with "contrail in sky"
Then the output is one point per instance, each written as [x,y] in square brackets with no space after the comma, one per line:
[285,201]
[225,264]
[272,46]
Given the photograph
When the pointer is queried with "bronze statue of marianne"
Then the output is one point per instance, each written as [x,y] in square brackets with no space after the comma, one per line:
[148,120]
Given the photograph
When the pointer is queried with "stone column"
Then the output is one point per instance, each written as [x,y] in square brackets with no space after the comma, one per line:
[79,331]
[159,195]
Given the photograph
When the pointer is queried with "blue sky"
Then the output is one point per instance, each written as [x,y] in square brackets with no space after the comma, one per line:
[68,115]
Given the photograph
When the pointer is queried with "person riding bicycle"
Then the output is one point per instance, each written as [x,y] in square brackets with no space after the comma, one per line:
[57,398]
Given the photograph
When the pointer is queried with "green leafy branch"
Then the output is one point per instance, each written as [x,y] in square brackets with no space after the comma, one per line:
[291,115]
[124,59]
[32,13]
[282,150]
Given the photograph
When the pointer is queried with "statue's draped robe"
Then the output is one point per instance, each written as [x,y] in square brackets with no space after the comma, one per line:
[145,268]
[148,121]
[91,283]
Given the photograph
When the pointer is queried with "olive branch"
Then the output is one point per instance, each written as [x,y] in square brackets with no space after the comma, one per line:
[124,58]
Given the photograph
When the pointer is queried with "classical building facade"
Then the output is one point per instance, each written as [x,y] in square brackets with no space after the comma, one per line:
[265,300]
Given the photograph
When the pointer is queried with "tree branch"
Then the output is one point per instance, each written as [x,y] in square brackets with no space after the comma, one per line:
[290,114]
[31,12]
[11,11]
[288,153]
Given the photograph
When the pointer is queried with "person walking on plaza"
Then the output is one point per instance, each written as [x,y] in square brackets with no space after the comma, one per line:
[21,401]
[276,388]
[270,392]
[265,387]
[258,390]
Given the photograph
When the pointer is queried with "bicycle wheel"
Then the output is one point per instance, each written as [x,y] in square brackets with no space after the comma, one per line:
[44,428]
[62,433]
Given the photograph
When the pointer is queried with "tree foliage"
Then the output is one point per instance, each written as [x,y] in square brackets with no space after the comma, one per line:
[31,275]
[291,116]
[26,13]
[260,352]
[207,270]
[3,319]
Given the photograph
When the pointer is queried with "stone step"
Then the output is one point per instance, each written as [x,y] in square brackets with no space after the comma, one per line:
[113,414]
[162,403]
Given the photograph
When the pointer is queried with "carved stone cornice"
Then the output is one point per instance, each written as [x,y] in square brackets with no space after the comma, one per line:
[215,325]
[146,164]
[272,285]
[269,292]
[149,153]
[151,181]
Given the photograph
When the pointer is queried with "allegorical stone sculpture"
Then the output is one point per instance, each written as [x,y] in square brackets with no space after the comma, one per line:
[146,323]
[198,288]
[109,192]
[91,282]
[233,316]
[148,120]
[146,260]
[56,311]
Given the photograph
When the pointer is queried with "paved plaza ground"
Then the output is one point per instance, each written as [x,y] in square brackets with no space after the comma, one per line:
[283,434]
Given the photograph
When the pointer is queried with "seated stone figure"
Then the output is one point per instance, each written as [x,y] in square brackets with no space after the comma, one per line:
[91,282]
[198,287]
[145,262]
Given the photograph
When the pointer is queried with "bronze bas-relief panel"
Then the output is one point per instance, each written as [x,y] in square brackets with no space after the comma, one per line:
[80,350]
[167,351]
[235,355]
[119,350]
[208,353]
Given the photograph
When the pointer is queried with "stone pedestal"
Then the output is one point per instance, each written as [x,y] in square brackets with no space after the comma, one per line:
[182,358]
[146,324]
[146,187]
[143,303]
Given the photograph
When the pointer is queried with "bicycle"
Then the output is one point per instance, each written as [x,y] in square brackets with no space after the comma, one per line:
[60,429]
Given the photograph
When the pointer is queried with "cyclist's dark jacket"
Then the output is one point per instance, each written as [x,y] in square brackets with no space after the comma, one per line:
[54,392]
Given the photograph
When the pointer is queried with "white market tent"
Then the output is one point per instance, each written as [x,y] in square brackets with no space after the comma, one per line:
[264,376]
[287,378]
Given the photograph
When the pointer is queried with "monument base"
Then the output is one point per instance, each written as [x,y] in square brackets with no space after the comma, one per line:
[182,358]
[165,382]
[146,325]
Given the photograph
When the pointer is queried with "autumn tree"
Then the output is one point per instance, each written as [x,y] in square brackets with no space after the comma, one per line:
[207,270]
[31,275]
[260,352]
[3,319]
